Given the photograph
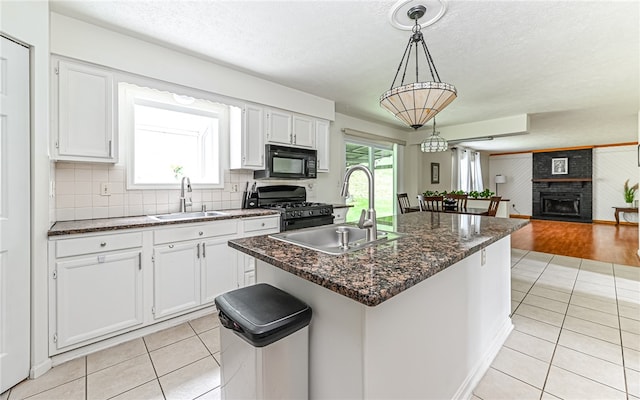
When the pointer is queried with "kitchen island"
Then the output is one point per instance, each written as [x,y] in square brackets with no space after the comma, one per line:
[418,317]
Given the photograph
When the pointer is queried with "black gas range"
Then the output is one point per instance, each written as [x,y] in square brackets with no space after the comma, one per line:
[295,211]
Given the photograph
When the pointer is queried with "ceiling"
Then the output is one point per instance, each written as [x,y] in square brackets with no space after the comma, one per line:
[572,66]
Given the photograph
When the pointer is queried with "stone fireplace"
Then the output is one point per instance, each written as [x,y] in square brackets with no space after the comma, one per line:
[563,194]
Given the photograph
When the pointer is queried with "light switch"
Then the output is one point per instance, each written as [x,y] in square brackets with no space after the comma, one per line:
[105,189]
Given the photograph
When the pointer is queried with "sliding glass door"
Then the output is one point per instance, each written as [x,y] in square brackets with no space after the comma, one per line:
[380,160]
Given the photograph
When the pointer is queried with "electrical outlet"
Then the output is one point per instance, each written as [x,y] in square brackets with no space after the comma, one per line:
[234,188]
[105,189]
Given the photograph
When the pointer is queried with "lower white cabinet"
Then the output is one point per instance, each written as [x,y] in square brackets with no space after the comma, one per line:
[176,278]
[189,273]
[95,294]
[107,284]
[340,215]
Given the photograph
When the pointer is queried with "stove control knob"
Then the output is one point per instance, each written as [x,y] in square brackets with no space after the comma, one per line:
[310,212]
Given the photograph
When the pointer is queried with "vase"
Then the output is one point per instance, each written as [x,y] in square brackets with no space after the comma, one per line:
[630,205]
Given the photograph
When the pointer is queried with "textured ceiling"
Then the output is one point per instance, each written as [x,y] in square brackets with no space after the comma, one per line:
[573,66]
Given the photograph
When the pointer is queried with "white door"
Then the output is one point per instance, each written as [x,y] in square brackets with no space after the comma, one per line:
[14,213]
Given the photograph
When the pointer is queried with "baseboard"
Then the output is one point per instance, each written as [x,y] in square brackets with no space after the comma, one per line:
[606,222]
[465,391]
[521,216]
[37,371]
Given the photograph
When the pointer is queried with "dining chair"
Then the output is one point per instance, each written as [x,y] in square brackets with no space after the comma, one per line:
[430,203]
[493,205]
[403,202]
[461,201]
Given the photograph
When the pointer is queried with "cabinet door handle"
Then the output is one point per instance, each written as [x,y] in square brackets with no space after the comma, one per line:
[198,251]
[103,244]
[200,233]
[204,251]
[171,246]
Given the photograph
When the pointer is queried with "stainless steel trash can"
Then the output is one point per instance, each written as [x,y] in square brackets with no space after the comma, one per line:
[265,346]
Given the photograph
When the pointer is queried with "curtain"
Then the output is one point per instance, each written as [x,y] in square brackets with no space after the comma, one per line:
[476,173]
[467,170]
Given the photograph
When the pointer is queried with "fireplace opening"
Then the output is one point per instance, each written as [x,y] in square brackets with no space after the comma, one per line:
[566,205]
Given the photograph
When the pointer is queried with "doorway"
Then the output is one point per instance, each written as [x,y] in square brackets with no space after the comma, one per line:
[15,260]
[379,159]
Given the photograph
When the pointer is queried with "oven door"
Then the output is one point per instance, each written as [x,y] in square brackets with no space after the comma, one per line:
[291,224]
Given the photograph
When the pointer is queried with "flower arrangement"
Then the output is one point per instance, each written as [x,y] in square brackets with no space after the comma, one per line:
[629,192]
[485,194]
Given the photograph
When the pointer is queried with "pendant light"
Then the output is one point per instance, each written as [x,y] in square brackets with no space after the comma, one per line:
[418,102]
[434,143]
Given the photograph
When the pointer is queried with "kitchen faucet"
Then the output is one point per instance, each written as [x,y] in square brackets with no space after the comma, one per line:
[367,218]
[184,202]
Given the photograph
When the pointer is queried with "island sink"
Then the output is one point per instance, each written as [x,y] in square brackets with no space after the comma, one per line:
[334,239]
[187,215]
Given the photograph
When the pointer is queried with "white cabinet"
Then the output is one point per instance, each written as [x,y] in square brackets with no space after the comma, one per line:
[322,144]
[95,288]
[279,126]
[304,131]
[83,113]
[247,137]
[254,227]
[340,215]
[192,265]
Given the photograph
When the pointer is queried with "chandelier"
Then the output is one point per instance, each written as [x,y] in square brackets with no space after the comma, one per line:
[434,143]
[418,102]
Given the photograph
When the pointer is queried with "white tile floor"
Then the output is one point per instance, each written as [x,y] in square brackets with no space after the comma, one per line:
[576,336]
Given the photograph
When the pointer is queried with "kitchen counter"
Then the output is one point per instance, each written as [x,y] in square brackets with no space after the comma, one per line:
[112,224]
[433,242]
[419,317]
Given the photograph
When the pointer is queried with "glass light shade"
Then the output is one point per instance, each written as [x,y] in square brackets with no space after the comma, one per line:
[434,143]
[416,103]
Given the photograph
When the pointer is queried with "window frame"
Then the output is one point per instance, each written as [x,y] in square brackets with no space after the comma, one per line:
[148,92]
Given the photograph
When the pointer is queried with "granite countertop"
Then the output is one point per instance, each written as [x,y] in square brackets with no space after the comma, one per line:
[433,242]
[112,224]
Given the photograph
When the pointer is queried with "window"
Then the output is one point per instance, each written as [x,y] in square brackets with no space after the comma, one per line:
[380,160]
[172,136]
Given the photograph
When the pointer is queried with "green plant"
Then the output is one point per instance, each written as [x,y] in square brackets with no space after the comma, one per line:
[629,192]
[474,194]
[486,193]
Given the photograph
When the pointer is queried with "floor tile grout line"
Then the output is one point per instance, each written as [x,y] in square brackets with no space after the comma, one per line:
[155,372]
[555,347]
[624,369]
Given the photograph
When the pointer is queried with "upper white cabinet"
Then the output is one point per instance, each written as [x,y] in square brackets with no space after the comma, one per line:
[304,131]
[83,113]
[279,126]
[322,144]
[247,137]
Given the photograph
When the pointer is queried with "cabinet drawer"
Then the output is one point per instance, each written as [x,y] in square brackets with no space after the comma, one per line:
[96,244]
[190,232]
[257,226]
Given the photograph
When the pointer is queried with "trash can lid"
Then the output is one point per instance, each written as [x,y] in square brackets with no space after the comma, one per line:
[262,314]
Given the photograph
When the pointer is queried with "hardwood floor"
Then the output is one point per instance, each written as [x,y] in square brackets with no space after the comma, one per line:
[610,243]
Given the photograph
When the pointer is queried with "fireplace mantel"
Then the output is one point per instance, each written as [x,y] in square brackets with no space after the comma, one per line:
[562,180]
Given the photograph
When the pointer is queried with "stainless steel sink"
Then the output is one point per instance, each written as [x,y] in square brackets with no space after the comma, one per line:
[334,239]
[188,215]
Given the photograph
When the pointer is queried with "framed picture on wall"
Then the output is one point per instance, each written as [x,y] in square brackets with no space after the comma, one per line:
[435,172]
[559,166]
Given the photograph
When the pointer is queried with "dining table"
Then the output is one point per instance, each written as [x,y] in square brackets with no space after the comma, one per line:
[468,210]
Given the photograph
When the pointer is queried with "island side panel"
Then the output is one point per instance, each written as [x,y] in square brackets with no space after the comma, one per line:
[437,339]
[335,335]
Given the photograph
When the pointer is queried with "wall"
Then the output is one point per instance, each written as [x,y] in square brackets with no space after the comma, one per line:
[73,38]
[327,187]
[28,22]
[518,170]
[612,165]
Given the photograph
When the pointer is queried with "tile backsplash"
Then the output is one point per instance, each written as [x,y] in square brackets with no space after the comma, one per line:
[77,193]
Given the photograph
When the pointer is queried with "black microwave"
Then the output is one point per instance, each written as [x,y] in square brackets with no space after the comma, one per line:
[283,162]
